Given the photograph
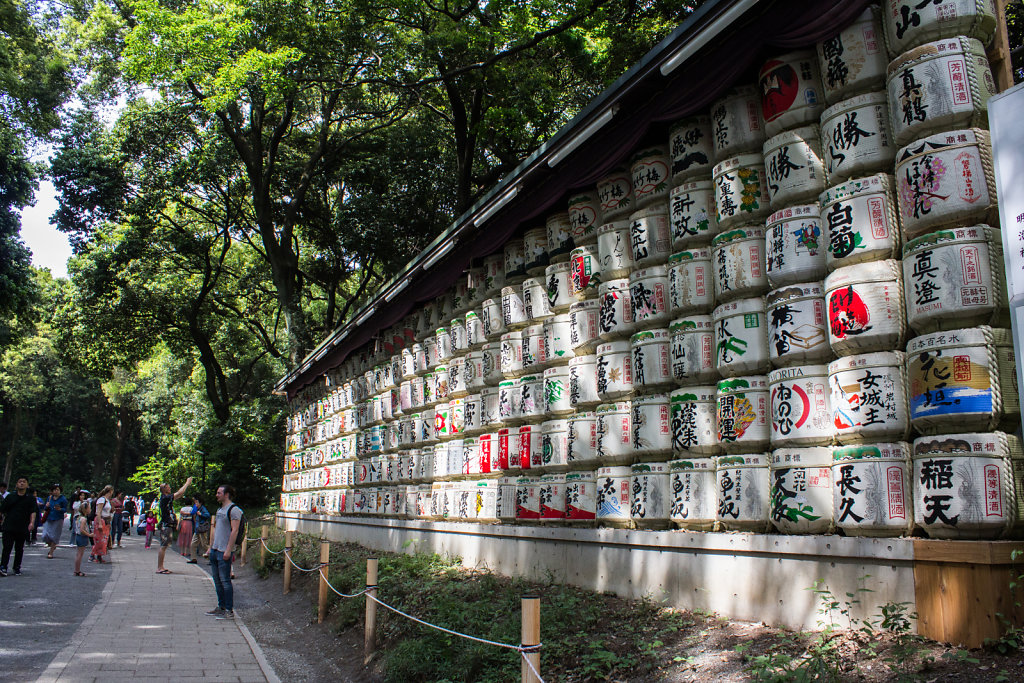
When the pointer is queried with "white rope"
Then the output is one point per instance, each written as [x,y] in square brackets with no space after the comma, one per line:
[268,548]
[288,554]
[344,595]
[530,664]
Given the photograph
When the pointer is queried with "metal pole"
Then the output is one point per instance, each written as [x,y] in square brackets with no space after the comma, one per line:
[531,636]
[369,637]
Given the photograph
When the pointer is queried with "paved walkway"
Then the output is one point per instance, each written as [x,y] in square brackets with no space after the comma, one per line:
[149,627]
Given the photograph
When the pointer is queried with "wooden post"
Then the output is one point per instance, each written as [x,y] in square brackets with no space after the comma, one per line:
[325,557]
[264,534]
[287,564]
[999,54]
[531,636]
[370,635]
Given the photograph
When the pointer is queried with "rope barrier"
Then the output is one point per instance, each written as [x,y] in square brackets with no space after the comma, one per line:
[288,554]
[344,595]
[526,659]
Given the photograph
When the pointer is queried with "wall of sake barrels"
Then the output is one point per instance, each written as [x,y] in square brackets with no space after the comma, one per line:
[789,316]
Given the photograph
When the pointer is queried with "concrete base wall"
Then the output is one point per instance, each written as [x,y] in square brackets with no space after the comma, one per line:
[753,577]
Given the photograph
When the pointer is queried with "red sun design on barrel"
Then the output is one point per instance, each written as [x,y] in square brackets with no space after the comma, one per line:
[847,313]
[779,87]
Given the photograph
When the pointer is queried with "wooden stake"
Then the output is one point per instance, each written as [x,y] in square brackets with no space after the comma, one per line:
[531,636]
[325,557]
[287,564]
[999,55]
[370,635]
[264,534]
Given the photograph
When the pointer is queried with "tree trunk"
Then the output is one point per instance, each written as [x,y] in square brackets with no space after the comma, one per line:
[123,431]
[12,450]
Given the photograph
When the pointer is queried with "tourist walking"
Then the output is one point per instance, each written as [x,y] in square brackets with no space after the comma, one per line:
[34,533]
[168,521]
[54,509]
[19,510]
[81,496]
[131,509]
[101,524]
[185,528]
[150,526]
[82,536]
[117,520]
[222,551]
[201,532]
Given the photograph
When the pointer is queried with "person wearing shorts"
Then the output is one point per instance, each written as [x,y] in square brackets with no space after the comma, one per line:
[168,520]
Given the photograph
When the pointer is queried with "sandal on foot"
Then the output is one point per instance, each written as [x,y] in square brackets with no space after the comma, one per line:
[165,571]
[80,574]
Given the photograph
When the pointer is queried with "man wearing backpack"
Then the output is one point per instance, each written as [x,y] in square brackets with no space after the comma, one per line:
[201,537]
[227,532]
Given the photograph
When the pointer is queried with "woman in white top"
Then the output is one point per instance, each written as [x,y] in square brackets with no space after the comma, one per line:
[101,526]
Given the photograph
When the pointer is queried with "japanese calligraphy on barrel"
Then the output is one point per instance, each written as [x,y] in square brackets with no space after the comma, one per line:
[535,248]
[741,192]
[557,335]
[649,170]
[739,264]
[736,122]
[741,337]
[865,307]
[648,296]
[694,429]
[584,217]
[560,240]
[615,194]
[854,59]
[580,497]
[614,252]
[868,395]
[692,215]
[691,148]
[742,492]
[742,414]
[793,166]
[615,433]
[909,23]
[794,245]
[652,428]
[690,282]
[584,272]
[797,328]
[856,137]
[692,349]
[791,91]
[800,410]
[692,486]
[801,490]
[613,496]
[871,490]
[650,496]
[650,236]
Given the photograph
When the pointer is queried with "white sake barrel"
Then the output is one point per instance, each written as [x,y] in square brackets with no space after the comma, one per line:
[511,359]
[456,458]
[417,393]
[457,330]
[557,336]
[865,307]
[955,278]
[527,499]
[652,426]
[494,275]
[532,404]
[615,433]
[854,59]
[506,504]
[791,91]
[801,414]
[584,271]
[946,179]
[648,296]
[559,237]
[743,492]
[529,440]
[484,499]
[741,191]
[793,166]
[515,263]
[535,300]
[473,414]
[652,365]
[613,250]
[441,384]
[489,403]
[650,236]
[583,381]
[584,217]
[534,358]
[513,310]
[691,148]
[535,247]
[551,493]
[555,445]
[616,316]
[692,349]
[968,486]
[694,427]
[615,193]
[694,498]
[443,341]
[444,307]
[962,379]
[909,23]
[494,322]
[508,401]
[692,215]
[868,396]
[690,282]
[742,413]
[614,370]
[939,86]
[408,363]
[860,221]
[556,278]
[651,497]
[585,326]
[427,434]
[741,337]
[797,332]
[794,245]
[871,489]
[801,490]
[473,371]
[430,349]
[580,497]
[582,441]
[739,263]
[613,496]
[476,285]
[736,122]
[457,416]
[474,330]
[556,391]
[856,137]
[649,170]
[441,462]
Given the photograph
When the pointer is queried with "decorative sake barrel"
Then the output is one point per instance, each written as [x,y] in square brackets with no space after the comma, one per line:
[513,310]
[583,381]
[535,247]
[557,335]
[613,250]
[615,193]
[473,414]
[649,169]
[443,344]
[558,296]
[584,217]
[534,358]
[871,490]
[694,429]
[441,384]
[556,391]
[690,278]
[962,379]
[507,499]
[955,278]
[738,257]
[494,275]
[430,350]
[508,401]
[854,60]
[868,397]
[651,498]
[694,499]
[801,490]
[909,23]
[535,300]
[692,349]
[614,370]
[560,241]
[797,330]
[532,403]
[511,359]
[613,496]
[555,445]
[692,215]
[791,91]
[515,262]
[652,428]
[582,441]
[483,500]
[457,416]
[474,371]
[743,492]
[946,179]
[530,444]
[616,319]
[527,499]
[460,341]
[551,493]
[865,308]
[584,272]
[474,331]
[736,123]
[742,414]
[856,137]
[860,221]
[650,236]
[494,322]
[939,86]
[585,326]
[648,296]
[793,165]
[741,337]
[968,486]
[691,148]
[801,415]
[794,245]
[489,402]
[580,497]
[741,192]
[615,433]
[652,366]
